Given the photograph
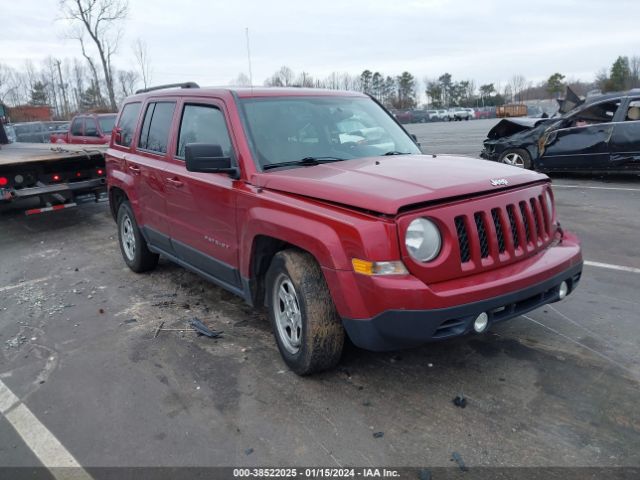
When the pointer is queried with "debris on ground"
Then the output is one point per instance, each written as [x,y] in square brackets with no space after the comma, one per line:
[456,457]
[366,403]
[195,325]
[131,320]
[203,329]
[248,451]
[16,341]
[378,434]
[460,401]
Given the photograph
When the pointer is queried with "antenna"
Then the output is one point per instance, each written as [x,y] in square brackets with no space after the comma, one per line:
[246,31]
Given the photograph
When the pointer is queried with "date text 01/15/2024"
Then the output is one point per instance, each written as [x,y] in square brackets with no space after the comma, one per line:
[315,472]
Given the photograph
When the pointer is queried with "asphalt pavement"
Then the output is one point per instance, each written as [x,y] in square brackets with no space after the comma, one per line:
[557,387]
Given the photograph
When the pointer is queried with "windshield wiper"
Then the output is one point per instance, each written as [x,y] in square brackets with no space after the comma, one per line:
[306,161]
[394,152]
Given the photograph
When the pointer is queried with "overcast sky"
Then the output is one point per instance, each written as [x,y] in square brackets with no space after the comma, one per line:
[484,40]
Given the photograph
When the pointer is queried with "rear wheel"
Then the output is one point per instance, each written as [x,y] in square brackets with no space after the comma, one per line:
[133,246]
[517,157]
[306,325]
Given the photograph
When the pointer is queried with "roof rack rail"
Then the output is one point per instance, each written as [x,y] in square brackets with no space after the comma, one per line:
[169,85]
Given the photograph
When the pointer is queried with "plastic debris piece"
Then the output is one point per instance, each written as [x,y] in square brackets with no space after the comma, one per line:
[460,401]
[202,329]
[458,459]
[248,451]
[378,434]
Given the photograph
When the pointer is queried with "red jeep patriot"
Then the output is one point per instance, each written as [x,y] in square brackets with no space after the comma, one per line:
[319,205]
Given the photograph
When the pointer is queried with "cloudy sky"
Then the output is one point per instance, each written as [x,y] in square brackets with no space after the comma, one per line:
[484,40]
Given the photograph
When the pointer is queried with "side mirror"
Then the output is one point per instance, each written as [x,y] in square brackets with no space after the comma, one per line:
[415,139]
[208,158]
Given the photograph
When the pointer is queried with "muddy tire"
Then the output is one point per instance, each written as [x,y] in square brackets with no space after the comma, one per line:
[516,157]
[133,246]
[305,322]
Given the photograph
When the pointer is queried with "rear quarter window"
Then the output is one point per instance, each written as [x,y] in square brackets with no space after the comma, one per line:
[127,123]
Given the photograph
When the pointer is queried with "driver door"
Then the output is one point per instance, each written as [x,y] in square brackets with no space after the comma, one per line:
[582,141]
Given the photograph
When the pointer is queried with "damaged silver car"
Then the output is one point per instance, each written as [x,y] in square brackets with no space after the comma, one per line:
[599,134]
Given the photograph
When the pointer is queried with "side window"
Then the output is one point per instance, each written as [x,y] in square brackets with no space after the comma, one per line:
[633,112]
[76,127]
[203,124]
[599,113]
[155,129]
[127,123]
[90,128]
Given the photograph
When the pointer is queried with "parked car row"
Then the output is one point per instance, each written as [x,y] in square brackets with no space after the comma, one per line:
[442,115]
[85,128]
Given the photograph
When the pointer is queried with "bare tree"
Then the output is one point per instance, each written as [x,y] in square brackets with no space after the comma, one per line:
[142,57]
[242,80]
[517,83]
[101,19]
[127,80]
[634,66]
[92,67]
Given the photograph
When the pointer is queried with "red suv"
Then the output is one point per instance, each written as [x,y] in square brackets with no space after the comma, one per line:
[319,205]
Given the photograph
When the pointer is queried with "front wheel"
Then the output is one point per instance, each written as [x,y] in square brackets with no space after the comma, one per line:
[133,246]
[516,157]
[305,322]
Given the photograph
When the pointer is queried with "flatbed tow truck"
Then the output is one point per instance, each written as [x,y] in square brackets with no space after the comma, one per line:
[50,177]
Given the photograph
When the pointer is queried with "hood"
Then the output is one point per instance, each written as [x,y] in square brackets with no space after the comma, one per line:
[386,184]
[510,126]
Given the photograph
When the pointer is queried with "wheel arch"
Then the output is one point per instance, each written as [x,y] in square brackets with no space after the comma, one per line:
[116,197]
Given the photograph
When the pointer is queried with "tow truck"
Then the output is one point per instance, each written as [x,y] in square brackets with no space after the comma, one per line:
[48,178]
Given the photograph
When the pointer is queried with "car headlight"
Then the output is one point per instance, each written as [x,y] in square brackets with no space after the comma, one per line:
[423,240]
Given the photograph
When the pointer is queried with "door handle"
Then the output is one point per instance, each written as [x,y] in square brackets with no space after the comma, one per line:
[174,182]
[135,170]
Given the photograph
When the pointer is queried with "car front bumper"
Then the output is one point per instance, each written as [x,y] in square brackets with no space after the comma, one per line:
[396,329]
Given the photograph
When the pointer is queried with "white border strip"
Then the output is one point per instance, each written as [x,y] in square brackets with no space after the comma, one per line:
[38,438]
[620,268]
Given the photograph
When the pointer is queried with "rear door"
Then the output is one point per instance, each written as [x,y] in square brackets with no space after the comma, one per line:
[149,163]
[625,142]
[202,206]
[583,140]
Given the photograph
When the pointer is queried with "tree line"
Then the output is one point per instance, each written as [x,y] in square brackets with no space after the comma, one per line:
[92,83]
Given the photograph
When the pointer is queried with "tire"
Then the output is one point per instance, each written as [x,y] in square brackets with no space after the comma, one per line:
[304,319]
[516,157]
[133,246]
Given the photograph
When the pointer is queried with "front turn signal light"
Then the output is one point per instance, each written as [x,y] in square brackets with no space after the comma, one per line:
[365,267]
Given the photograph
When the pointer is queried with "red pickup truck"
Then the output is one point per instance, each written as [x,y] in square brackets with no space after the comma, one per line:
[284,198]
[90,129]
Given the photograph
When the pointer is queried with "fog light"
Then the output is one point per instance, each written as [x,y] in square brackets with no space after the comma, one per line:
[481,322]
[563,291]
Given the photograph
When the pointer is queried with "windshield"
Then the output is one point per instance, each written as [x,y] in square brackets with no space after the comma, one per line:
[289,129]
[106,124]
